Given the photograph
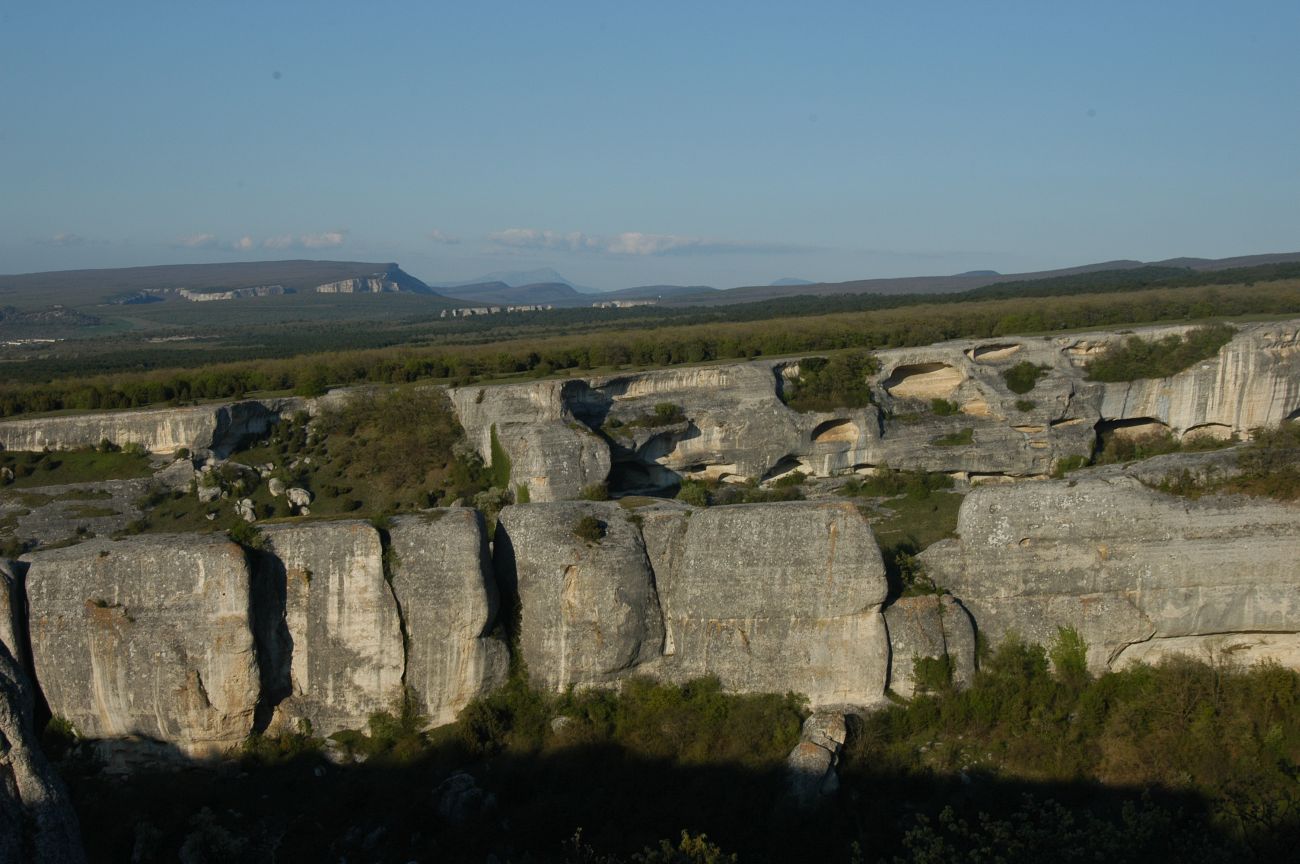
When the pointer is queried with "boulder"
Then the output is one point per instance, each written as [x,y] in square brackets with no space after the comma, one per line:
[13,610]
[773,598]
[443,582]
[275,486]
[322,584]
[810,767]
[245,510]
[588,610]
[1122,564]
[149,636]
[298,496]
[932,626]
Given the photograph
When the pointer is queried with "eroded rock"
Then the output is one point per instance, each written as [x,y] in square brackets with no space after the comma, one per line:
[447,595]
[149,636]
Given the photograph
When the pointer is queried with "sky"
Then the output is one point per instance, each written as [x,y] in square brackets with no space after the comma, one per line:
[719,143]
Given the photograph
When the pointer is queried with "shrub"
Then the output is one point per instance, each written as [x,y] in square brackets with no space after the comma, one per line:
[944,408]
[694,492]
[829,385]
[1024,406]
[589,528]
[1023,377]
[595,492]
[1138,358]
[794,478]
[932,674]
[1066,464]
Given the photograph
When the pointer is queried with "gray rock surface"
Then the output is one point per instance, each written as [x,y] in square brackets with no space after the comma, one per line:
[13,610]
[1122,564]
[934,626]
[588,611]
[343,659]
[773,598]
[443,582]
[37,822]
[216,427]
[149,636]
[810,766]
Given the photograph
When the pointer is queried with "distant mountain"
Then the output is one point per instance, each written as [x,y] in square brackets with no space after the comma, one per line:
[503,294]
[965,281]
[520,279]
[790,280]
[132,284]
[980,273]
[657,292]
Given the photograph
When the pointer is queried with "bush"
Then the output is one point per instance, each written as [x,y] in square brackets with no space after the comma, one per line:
[1066,464]
[694,492]
[589,528]
[834,384]
[794,478]
[1023,377]
[944,408]
[595,492]
[1138,358]
[1024,406]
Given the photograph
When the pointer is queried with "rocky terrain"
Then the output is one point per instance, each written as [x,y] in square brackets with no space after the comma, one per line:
[165,647]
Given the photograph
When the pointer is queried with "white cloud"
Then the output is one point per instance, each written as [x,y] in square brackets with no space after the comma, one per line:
[627,243]
[325,239]
[281,241]
[63,238]
[198,241]
[437,235]
[243,243]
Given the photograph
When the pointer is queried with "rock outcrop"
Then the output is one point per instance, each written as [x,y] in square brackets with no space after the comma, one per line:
[929,627]
[219,428]
[37,822]
[322,586]
[588,613]
[443,582]
[1135,571]
[773,598]
[767,598]
[146,637]
[732,424]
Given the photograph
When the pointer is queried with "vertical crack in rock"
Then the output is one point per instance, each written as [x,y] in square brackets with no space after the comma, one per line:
[272,641]
[388,560]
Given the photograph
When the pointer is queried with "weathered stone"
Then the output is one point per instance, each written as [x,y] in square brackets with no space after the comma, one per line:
[773,598]
[275,486]
[298,496]
[931,626]
[148,636]
[810,767]
[245,510]
[343,660]
[13,610]
[220,428]
[1120,563]
[37,822]
[588,612]
[443,582]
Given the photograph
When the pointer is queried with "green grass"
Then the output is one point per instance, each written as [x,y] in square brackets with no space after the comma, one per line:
[59,467]
[954,439]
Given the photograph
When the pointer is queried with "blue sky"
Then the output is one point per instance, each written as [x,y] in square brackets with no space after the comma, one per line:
[622,144]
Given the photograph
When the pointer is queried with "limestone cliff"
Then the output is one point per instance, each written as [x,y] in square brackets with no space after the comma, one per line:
[445,588]
[146,637]
[343,659]
[217,427]
[1135,571]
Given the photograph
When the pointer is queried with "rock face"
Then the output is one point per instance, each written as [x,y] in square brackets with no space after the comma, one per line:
[731,422]
[146,637]
[219,428]
[550,452]
[773,598]
[444,586]
[37,822]
[934,626]
[768,598]
[811,764]
[343,658]
[1254,381]
[1133,570]
[588,610]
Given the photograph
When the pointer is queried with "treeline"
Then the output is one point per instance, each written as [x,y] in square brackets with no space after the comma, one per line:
[659,347]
